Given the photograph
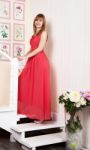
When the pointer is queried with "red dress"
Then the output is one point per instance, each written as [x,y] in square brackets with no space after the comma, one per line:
[34,99]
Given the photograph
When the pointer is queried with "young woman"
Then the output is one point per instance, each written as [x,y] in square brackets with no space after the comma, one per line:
[34,99]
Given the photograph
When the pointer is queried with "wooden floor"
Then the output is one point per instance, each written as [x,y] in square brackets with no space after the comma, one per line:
[5,144]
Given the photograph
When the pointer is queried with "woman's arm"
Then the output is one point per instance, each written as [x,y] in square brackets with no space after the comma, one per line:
[41,45]
[25,55]
[20,58]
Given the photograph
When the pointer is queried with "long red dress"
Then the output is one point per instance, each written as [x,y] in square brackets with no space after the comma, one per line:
[34,99]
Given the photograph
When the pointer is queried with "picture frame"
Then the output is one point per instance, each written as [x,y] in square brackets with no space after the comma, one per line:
[5,31]
[5,8]
[5,47]
[19,30]
[18,49]
[18,11]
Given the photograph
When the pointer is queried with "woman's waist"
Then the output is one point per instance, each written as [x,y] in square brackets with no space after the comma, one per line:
[40,54]
[33,48]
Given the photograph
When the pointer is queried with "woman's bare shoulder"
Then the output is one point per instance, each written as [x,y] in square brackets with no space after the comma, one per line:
[44,33]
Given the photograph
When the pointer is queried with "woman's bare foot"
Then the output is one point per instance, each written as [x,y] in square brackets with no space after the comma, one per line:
[38,121]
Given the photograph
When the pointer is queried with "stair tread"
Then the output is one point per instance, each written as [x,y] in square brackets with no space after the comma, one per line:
[33,126]
[44,140]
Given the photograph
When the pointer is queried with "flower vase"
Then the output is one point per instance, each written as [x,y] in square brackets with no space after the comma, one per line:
[73,140]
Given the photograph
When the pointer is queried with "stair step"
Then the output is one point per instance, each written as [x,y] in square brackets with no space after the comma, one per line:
[33,126]
[43,140]
[24,120]
[42,132]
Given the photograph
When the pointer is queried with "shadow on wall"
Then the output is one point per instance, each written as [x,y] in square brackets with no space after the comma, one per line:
[49,52]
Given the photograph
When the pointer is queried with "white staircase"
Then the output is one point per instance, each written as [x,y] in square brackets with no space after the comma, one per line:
[19,131]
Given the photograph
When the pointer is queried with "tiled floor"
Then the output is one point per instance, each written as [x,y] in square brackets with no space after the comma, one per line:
[5,144]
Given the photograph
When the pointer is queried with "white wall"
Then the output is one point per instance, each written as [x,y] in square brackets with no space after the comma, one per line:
[4,84]
[68,46]
[28,26]
[68,24]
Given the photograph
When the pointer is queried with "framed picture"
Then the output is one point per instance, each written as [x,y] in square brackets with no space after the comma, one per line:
[18,49]
[5,47]
[19,11]
[19,30]
[5,9]
[4,31]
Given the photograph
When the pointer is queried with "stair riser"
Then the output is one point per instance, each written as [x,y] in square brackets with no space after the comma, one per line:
[18,136]
[42,132]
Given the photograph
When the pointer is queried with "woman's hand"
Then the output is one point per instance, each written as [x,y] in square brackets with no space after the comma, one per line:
[20,58]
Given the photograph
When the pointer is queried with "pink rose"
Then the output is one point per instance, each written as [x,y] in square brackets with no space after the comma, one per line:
[86,95]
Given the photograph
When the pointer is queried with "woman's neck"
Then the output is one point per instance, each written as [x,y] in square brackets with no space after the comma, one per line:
[38,30]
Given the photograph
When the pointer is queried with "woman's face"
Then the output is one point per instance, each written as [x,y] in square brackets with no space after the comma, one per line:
[39,23]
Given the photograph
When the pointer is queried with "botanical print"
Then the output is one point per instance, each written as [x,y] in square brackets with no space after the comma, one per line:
[4,31]
[5,47]
[19,32]
[18,49]
[4,9]
[18,11]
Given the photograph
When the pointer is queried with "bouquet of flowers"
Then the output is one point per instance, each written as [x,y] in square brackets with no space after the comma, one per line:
[73,102]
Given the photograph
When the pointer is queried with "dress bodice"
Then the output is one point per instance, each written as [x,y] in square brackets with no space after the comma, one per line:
[34,41]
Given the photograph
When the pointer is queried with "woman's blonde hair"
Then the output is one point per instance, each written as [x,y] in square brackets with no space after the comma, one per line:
[39,16]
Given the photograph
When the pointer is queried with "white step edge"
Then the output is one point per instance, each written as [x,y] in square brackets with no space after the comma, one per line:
[43,140]
[20,117]
[33,126]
